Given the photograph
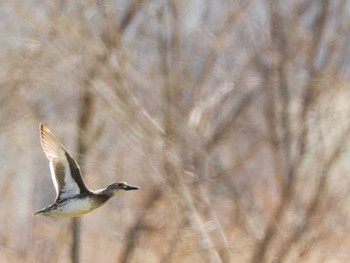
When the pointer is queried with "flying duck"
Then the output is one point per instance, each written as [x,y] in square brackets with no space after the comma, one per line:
[73,197]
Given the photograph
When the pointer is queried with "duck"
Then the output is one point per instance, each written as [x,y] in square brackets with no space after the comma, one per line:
[73,197]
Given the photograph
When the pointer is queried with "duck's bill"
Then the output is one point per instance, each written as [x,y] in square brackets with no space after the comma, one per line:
[131,187]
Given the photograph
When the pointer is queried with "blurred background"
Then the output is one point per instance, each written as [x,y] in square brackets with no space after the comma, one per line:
[232,116]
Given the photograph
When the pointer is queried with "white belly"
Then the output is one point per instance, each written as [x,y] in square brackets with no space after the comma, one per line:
[73,208]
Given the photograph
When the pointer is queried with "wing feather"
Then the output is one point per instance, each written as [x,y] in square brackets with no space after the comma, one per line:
[65,172]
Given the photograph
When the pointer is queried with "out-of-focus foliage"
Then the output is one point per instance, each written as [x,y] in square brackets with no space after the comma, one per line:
[232,116]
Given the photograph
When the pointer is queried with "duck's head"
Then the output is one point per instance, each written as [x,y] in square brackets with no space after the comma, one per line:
[113,189]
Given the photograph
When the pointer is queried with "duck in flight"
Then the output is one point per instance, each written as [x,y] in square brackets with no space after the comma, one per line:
[73,197]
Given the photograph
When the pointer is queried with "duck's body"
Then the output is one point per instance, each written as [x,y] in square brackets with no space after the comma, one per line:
[75,206]
[73,197]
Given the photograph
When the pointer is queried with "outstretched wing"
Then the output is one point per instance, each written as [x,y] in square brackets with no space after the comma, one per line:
[65,172]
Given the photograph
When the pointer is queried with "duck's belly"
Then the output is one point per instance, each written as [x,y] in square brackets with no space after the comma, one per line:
[74,208]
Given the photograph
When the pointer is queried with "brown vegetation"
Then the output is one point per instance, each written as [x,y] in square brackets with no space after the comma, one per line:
[232,117]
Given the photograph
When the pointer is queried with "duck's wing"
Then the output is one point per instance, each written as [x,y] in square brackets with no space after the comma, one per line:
[65,171]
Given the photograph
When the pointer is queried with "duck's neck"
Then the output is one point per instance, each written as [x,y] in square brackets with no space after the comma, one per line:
[105,192]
